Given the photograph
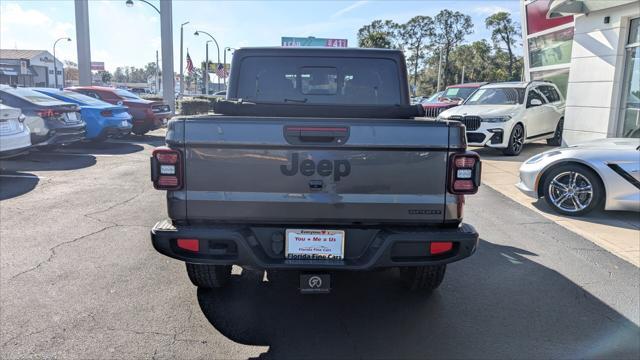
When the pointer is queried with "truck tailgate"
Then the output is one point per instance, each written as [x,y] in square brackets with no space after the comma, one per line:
[313,171]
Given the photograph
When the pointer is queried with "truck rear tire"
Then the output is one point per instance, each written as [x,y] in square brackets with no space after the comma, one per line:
[423,278]
[209,276]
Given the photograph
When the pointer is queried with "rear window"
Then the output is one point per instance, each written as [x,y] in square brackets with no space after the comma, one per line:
[32,96]
[319,80]
[83,99]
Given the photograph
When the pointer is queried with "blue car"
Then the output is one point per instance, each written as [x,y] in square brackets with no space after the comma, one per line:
[103,120]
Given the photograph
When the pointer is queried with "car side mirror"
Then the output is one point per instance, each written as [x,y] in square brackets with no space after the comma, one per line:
[535,102]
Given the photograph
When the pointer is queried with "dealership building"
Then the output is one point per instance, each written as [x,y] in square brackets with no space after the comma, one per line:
[30,68]
[591,50]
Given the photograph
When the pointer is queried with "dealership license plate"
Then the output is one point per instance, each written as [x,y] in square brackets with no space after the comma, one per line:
[313,244]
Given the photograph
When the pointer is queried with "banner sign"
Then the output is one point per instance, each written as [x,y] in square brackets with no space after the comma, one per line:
[97,66]
[312,41]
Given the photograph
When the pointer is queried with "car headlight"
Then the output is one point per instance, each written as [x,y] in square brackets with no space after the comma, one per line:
[497,119]
[539,157]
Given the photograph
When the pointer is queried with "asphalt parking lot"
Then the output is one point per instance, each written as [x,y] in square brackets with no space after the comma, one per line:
[79,279]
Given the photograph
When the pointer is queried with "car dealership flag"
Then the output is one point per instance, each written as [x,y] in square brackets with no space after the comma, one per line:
[221,72]
[189,64]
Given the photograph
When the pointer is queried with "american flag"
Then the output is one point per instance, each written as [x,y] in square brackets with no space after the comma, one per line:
[189,64]
[221,72]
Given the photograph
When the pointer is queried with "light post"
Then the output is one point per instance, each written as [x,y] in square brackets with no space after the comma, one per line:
[205,73]
[225,65]
[217,47]
[55,67]
[181,66]
[130,4]
[166,35]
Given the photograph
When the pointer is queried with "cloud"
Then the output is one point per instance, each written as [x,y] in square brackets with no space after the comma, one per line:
[490,10]
[349,8]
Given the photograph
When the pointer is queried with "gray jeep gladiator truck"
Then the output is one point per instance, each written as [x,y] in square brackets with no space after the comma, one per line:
[315,162]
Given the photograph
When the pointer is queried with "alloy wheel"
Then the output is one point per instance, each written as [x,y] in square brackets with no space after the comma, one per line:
[571,191]
[517,139]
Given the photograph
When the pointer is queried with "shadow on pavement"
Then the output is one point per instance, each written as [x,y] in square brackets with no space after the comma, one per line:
[156,138]
[623,219]
[101,148]
[13,184]
[496,304]
[47,161]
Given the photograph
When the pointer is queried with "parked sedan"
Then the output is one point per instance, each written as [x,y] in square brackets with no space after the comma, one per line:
[52,122]
[103,119]
[147,115]
[15,138]
[578,179]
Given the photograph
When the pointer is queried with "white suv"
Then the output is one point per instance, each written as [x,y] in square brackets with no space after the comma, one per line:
[508,115]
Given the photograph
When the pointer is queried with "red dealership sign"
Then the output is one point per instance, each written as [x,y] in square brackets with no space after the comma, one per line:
[537,17]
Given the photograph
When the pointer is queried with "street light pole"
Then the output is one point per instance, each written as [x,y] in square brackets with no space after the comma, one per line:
[205,73]
[55,67]
[225,65]
[181,66]
[166,36]
[217,47]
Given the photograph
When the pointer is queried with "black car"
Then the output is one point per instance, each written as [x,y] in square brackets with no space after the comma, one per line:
[52,122]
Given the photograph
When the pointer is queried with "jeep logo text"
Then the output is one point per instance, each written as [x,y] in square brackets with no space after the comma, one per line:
[339,168]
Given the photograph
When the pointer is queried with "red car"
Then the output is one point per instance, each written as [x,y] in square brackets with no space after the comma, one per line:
[147,115]
[452,96]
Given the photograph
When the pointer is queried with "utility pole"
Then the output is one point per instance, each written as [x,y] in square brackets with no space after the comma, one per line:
[166,34]
[181,57]
[439,70]
[82,42]
[462,77]
[157,73]
[205,72]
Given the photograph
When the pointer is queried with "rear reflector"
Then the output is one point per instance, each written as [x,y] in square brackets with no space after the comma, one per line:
[463,185]
[168,181]
[440,247]
[465,162]
[189,244]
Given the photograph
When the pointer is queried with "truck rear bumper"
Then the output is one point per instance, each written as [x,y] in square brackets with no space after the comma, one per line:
[262,248]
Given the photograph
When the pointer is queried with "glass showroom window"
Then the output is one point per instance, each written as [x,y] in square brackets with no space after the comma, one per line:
[551,49]
[630,112]
[560,77]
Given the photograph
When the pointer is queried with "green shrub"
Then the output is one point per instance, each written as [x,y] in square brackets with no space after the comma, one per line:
[193,106]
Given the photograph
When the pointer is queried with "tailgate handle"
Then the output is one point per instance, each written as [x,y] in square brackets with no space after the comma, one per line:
[308,134]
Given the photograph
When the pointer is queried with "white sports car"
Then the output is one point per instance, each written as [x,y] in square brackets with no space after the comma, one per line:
[577,179]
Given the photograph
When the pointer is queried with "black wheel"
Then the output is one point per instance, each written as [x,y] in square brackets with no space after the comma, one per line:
[556,140]
[139,130]
[422,278]
[572,190]
[209,276]
[516,141]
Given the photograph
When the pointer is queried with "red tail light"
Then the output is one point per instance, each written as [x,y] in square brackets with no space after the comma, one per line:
[189,244]
[166,169]
[464,176]
[106,113]
[48,113]
[440,247]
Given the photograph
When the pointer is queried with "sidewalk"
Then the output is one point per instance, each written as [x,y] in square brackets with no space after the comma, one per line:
[616,231]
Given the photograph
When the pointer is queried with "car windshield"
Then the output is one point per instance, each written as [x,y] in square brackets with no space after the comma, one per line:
[497,96]
[32,96]
[459,92]
[433,98]
[83,99]
[126,94]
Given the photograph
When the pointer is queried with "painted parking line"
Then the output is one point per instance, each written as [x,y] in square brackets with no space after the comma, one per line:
[24,176]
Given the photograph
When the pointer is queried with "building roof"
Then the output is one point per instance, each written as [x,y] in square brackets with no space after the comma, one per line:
[19,54]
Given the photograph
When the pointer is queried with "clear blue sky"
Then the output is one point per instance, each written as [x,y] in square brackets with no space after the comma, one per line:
[130,36]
